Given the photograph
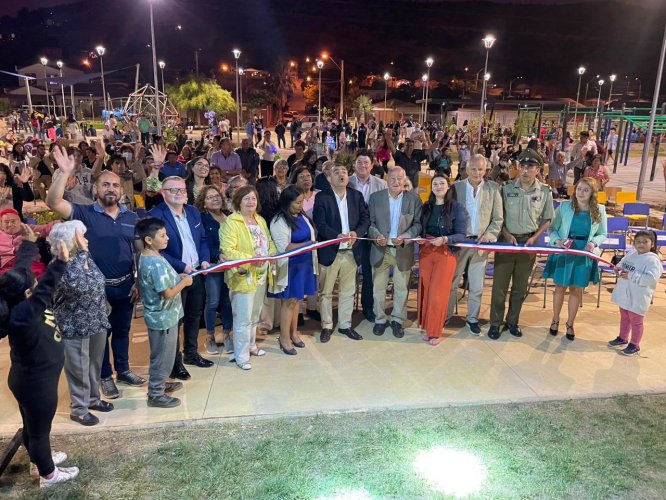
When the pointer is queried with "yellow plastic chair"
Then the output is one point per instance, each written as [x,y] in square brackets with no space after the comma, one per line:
[602,198]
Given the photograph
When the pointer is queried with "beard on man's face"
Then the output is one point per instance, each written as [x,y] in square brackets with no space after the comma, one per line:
[108,199]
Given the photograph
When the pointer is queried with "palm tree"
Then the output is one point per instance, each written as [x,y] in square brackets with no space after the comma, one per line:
[362,105]
[282,84]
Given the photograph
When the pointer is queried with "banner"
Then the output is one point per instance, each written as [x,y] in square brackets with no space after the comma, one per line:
[484,247]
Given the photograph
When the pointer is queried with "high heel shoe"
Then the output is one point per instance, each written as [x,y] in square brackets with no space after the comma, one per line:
[290,352]
[300,344]
[551,330]
[572,335]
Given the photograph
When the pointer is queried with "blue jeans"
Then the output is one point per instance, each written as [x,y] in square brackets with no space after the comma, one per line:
[121,320]
[217,300]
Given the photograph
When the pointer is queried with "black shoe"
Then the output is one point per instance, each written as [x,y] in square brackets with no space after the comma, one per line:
[179,372]
[370,316]
[88,419]
[349,332]
[109,389]
[301,320]
[398,330]
[290,352]
[172,386]
[103,406]
[325,335]
[197,360]
[130,378]
[300,344]
[474,328]
[514,330]
[163,401]
[494,332]
[551,330]
[379,329]
[312,314]
[570,335]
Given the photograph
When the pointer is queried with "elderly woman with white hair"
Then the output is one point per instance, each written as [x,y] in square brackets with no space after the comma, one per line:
[80,311]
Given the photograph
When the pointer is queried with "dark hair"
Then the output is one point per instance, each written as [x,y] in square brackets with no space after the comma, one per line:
[16,156]
[300,143]
[241,193]
[298,171]
[449,198]
[268,196]
[13,285]
[147,228]
[307,156]
[200,201]
[288,195]
[364,152]
[651,235]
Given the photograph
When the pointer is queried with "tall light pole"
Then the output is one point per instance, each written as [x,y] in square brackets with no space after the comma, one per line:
[488,42]
[237,54]
[587,86]
[241,72]
[60,64]
[157,91]
[424,79]
[320,66]
[341,67]
[100,52]
[428,62]
[581,72]
[639,88]
[596,113]
[610,91]
[162,65]
[44,62]
[386,80]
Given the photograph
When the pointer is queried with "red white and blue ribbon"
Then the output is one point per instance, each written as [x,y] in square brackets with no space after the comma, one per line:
[473,245]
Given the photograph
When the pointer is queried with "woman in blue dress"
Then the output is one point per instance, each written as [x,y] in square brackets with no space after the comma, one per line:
[291,229]
[579,224]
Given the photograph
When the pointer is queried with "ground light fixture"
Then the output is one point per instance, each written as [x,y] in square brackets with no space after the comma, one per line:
[451,472]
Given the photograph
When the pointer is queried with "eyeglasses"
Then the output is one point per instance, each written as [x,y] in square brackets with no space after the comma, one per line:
[213,197]
[176,190]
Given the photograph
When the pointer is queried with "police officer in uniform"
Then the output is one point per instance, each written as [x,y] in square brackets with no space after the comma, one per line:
[528,210]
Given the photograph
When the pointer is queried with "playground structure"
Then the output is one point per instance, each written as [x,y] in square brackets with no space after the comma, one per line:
[142,101]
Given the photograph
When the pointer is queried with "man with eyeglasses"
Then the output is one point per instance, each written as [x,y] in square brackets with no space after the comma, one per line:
[186,251]
[110,234]
[528,210]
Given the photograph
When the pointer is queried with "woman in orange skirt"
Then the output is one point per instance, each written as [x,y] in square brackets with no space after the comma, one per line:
[444,222]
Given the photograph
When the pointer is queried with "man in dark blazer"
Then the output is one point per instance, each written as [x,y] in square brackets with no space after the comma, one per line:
[395,215]
[186,251]
[340,212]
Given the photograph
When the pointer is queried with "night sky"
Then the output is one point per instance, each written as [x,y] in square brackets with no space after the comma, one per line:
[543,41]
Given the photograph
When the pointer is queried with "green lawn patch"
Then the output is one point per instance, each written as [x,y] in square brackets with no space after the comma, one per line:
[600,448]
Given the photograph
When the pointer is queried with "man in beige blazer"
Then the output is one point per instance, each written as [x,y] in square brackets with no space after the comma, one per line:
[483,202]
[395,215]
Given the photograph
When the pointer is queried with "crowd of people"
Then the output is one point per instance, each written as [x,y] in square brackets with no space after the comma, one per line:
[145,222]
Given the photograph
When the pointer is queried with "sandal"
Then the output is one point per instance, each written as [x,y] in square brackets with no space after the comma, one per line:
[551,330]
[433,341]
[572,335]
[425,338]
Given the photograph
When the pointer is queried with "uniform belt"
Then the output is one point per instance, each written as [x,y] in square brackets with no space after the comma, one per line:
[117,281]
[578,238]
[526,235]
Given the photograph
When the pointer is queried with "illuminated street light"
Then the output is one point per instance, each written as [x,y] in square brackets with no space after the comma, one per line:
[100,52]
[429,63]
[327,57]
[44,62]
[596,113]
[162,64]
[386,80]
[581,72]
[610,90]
[60,64]
[488,43]
[237,54]
[320,65]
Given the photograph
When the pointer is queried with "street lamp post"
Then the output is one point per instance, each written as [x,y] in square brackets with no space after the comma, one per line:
[587,85]
[488,42]
[341,67]
[386,79]
[100,52]
[241,72]
[424,79]
[320,65]
[44,62]
[465,82]
[162,65]
[60,64]
[155,81]
[581,72]
[639,88]
[511,83]
[428,62]
[596,113]
[610,91]
[237,54]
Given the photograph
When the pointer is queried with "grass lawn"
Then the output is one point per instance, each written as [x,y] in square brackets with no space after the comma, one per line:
[597,448]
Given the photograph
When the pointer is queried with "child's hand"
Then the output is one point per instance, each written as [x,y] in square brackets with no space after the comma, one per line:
[186,279]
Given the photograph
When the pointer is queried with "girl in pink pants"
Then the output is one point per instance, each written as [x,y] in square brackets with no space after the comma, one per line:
[639,273]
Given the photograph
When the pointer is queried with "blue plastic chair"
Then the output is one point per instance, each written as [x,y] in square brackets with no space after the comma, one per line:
[637,213]
[617,243]
[617,224]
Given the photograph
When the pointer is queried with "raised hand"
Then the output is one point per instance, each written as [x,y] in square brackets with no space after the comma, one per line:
[66,164]
[62,252]
[28,233]
[99,149]
[81,241]
[159,153]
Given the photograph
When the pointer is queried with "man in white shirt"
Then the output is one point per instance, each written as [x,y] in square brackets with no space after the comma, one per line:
[366,184]
[395,215]
[483,202]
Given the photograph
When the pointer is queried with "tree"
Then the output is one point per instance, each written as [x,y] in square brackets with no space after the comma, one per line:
[311,95]
[326,113]
[362,105]
[282,84]
[202,95]
[258,99]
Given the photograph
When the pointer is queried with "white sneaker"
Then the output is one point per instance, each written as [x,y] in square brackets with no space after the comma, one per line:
[60,475]
[58,458]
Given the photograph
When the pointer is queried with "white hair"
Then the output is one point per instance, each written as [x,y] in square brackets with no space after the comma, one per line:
[64,232]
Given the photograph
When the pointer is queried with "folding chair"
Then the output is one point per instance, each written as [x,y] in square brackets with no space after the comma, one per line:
[617,224]
[602,199]
[638,213]
[617,242]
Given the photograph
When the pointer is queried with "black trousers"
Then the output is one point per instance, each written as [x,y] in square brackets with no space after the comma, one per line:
[367,295]
[37,400]
[281,140]
[194,300]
